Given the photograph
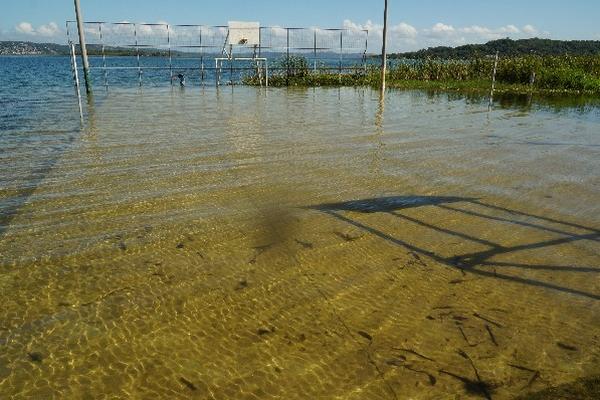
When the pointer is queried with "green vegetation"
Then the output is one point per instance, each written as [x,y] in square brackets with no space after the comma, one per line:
[579,74]
[508,48]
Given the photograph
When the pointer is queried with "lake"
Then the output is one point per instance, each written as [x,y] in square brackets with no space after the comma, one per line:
[293,243]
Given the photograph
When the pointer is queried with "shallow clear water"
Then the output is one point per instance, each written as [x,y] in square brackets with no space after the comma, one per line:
[251,243]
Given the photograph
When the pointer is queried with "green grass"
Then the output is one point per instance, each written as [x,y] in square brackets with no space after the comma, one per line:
[564,74]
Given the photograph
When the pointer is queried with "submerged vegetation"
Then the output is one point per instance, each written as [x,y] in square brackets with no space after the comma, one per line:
[579,74]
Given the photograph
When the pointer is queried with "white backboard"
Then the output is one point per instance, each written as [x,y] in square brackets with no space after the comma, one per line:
[244,33]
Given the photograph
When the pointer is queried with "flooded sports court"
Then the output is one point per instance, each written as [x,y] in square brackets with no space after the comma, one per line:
[251,243]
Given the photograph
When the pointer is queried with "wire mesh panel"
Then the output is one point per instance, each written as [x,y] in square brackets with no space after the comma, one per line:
[155,53]
[154,36]
[302,40]
[273,39]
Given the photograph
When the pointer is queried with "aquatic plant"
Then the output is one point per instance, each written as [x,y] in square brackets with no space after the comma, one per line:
[532,72]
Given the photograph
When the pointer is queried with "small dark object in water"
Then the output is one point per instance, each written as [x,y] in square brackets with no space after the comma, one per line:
[258,251]
[243,284]
[305,245]
[533,378]
[492,337]
[414,353]
[429,317]
[457,281]
[417,258]
[459,318]
[180,246]
[36,356]
[301,337]
[522,368]
[396,363]
[122,245]
[487,320]
[346,237]
[365,335]
[187,383]
[464,335]
[265,331]
[565,346]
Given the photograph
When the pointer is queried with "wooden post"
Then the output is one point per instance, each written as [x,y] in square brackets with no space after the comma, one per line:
[384,48]
[83,47]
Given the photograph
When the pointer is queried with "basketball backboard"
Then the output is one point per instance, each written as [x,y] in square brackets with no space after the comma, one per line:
[244,33]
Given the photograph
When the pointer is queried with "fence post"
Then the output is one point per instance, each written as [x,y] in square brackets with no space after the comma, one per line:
[366,49]
[491,103]
[83,47]
[201,57]
[76,79]
[170,58]
[384,48]
[103,56]
[315,51]
[137,50]
[287,63]
[341,54]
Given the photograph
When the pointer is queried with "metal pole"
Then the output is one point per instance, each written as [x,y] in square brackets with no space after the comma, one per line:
[366,49]
[231,64]
[341,52]
[76,79]
[493,82]
[84,56]
[384,48]
[201,59]
[103,56]
[287,75]
[315,50]
[137,50]
[260,42]
[170,57]
[266,73]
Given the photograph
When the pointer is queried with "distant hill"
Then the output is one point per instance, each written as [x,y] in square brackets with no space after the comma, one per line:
[30,48]
[509,47]
[54,49]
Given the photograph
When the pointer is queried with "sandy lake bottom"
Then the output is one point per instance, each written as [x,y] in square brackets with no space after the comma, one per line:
[300,244]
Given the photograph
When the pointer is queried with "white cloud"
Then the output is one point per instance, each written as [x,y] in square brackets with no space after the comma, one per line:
[442,29]
[405,37]
[405,30]
[25,28]
[510,29]
[530,30]
[49,30]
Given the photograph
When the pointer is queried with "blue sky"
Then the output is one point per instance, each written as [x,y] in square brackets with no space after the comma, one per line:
[414,24]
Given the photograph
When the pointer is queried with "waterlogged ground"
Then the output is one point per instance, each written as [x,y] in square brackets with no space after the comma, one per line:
[300,244]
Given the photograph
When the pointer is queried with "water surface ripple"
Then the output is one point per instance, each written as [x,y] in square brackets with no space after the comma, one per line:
[298,244]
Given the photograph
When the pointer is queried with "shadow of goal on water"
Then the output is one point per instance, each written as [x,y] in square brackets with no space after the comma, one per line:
[472,262]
